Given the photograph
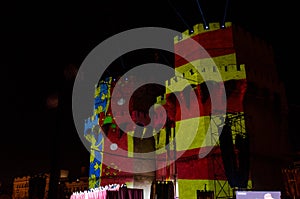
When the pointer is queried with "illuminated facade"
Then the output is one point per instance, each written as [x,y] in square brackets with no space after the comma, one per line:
[38,186]
[68,187]
[21,187]
[24,187]
[233,142]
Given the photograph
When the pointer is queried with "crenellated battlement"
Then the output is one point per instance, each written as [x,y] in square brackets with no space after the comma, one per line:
[191,75]
[198,29]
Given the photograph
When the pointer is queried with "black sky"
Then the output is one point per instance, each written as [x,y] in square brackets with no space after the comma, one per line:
[40,39]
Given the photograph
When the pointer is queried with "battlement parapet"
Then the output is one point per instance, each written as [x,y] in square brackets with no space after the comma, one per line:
[193,76]
[200,28]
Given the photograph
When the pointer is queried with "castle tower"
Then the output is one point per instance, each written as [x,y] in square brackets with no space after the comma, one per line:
[213,75]
[114,139]
[254,107]
[108,141]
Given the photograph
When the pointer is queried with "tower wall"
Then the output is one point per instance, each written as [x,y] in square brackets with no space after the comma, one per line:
[252,87]
[208,70]
[266,108]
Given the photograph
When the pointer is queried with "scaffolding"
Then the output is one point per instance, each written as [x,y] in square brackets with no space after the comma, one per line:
[236,121]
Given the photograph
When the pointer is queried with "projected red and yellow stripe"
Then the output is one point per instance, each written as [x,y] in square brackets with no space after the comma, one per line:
[216,58]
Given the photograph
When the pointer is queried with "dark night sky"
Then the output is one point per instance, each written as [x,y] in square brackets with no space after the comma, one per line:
[40,39]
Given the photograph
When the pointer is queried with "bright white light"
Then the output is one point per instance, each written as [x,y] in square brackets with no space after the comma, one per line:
[113,146]
[121,101]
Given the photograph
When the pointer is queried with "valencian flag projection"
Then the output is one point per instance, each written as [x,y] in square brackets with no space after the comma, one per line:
[108,141]
[93,134]
[226,166]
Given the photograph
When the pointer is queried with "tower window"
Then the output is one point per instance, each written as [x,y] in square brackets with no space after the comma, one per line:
[192,72]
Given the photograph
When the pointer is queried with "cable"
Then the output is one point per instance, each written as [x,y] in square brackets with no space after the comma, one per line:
[225,14]
[166,60]
[122,62]
[201,12]
[188,27]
